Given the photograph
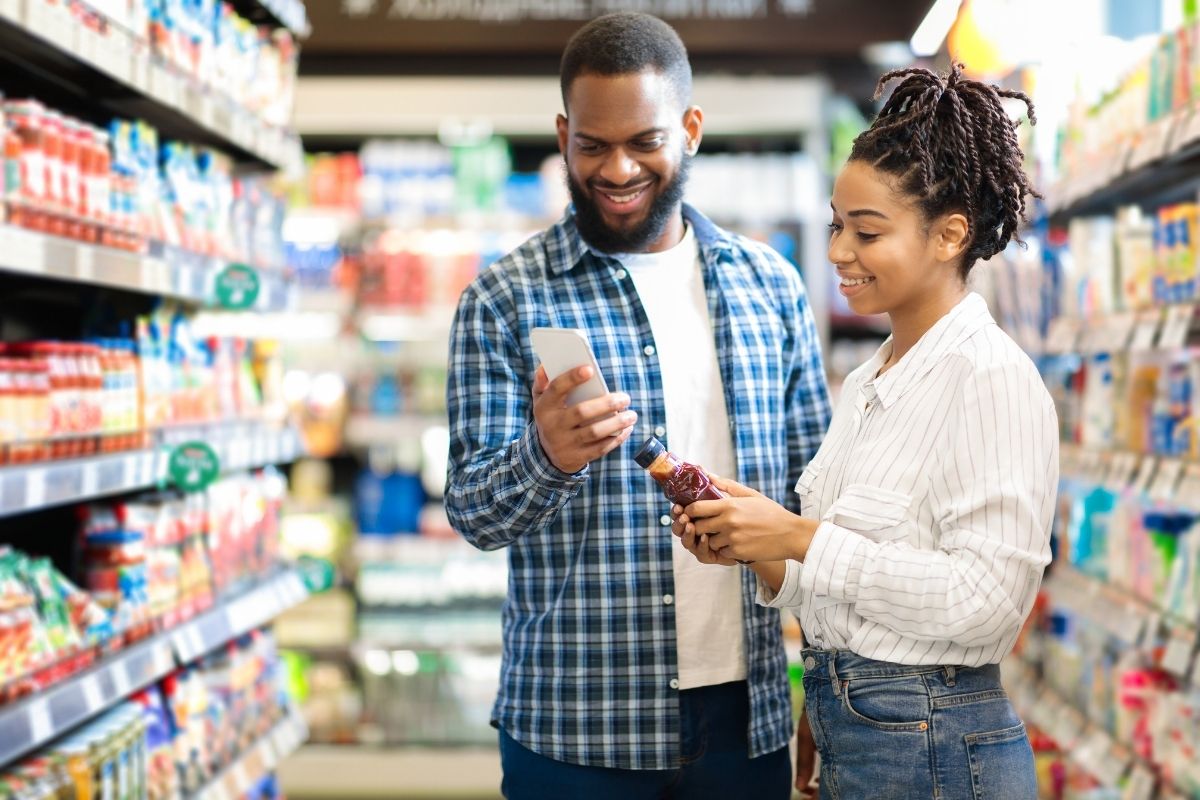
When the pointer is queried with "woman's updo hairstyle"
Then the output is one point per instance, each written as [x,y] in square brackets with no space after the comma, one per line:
[953,148]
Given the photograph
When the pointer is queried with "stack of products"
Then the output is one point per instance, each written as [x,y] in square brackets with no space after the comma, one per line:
[1145,403]
[161,558]
[1132,261]
[204,40]
[49,628]
[170,740]
[67,399]
[122,188]
[1160,85]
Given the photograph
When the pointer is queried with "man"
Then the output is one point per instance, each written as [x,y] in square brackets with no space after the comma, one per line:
[629,669]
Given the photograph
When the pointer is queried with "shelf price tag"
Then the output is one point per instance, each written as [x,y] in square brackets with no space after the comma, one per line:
[1145,331]
[93,698]
[1176,328]
[1188,490]
[193,466]
[1119,331]
[1141,483]
[1166,479]
[1177,657]
[238,287]
[120,678]
[1140,785]
[41,726]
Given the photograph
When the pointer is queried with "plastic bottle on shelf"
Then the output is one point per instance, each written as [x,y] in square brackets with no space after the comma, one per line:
[25,116]
[8,416]
[52,146]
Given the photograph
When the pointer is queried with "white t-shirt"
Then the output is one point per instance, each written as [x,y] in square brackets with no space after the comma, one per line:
[708,598]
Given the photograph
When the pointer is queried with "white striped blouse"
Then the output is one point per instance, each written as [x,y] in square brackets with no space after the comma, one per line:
[936,488]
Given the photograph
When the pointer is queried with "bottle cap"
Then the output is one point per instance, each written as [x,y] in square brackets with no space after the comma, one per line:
[650,452]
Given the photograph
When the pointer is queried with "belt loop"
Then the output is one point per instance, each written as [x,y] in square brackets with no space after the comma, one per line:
[833,676]
[950,673]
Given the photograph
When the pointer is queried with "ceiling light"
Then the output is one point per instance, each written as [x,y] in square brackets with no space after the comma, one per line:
[933,29]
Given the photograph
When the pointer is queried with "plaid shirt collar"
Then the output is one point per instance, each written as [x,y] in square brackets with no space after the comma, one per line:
[710,238]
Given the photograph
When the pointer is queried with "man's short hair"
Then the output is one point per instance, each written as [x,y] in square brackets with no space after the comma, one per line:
[627,43]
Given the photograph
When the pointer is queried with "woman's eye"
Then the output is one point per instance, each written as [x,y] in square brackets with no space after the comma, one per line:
[834,228]
[867,237]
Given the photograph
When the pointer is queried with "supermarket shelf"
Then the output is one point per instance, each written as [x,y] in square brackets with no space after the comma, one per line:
[1168,328]
[34,721]
[1090,747]
[262,759]
[325,772]
[29,487]
[114,69]
[290,14]
[1159,167]
[168,271]
[367,431]
[1164,480]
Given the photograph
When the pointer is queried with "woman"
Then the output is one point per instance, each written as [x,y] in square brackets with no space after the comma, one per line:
[927,508]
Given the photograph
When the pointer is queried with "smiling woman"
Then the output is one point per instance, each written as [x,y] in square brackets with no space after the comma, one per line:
[926,511]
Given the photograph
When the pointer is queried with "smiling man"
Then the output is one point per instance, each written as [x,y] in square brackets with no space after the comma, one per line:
[629,669]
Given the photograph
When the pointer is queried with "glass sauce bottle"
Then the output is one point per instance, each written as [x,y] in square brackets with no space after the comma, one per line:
[682,482]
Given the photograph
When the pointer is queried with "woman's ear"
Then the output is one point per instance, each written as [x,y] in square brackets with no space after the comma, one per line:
[952,237]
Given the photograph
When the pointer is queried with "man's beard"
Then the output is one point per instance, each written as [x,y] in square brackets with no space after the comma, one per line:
[600,236]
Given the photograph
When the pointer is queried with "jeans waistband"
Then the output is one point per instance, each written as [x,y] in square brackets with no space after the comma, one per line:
[846,666]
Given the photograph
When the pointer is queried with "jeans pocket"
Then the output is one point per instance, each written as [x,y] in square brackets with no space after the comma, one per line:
[1002,765]
[888,704]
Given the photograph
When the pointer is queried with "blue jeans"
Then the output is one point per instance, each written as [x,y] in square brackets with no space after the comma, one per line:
[892,732]
[715,725]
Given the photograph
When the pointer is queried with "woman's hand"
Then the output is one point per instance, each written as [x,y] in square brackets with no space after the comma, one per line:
[695,544]
[745,525]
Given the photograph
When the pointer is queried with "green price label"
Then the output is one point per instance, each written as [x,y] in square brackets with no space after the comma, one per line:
[193,466]
[237,287]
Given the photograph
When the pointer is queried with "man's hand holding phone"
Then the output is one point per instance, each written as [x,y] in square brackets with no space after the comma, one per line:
[574,436]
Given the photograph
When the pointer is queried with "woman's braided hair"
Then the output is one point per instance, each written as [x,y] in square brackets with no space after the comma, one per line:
[954,149]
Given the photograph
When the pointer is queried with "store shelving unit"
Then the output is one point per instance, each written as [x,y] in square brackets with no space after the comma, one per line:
[30,487]
[1159,165]
[163,272]
[81,63]
[43,717]
[261,759]
[1090,618]
[109,65]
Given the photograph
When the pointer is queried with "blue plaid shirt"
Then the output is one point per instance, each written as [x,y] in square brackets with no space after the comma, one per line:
[589,644]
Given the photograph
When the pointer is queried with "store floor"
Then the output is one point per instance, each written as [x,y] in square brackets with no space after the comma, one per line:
[348,773]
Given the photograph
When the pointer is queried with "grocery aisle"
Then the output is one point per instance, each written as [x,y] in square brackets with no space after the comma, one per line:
[232,239]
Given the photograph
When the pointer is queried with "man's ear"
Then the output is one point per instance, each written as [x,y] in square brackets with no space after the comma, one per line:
[693,129]
[562,128]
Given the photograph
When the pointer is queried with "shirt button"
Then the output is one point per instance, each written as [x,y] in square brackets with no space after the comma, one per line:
[674,683]
[668,599]
[664,520]
[810,663]
[619,274]
[648,349]
[660,431]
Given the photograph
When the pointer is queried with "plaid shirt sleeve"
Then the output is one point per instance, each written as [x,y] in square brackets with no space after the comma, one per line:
[501,484]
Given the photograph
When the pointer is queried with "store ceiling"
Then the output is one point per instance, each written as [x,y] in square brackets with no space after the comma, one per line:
[518,37]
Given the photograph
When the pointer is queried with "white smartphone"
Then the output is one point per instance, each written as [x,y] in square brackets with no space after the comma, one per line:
[562,350]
